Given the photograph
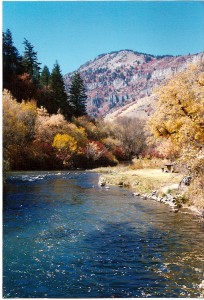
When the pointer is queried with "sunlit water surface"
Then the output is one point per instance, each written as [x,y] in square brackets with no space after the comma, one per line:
[65,237]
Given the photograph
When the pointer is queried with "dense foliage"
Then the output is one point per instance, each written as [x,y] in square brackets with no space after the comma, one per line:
[30,62]
[58,94]
[11,60]
[46,128]
[23,77]
[33,139]
[178,123]
[130,132]
[77,96]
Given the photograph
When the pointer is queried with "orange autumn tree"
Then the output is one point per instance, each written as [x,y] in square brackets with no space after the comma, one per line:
[179,118]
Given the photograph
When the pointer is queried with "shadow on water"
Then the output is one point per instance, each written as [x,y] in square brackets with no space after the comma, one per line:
[126,264]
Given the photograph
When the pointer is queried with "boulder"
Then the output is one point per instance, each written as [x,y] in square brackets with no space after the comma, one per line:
[154,193]
[102,181]
[186,181]
[136,194]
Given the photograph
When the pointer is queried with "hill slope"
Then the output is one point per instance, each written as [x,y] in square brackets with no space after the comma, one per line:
[126,78]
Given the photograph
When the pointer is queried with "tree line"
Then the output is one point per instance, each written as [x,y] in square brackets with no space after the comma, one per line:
[44,128]
[33,139]
[23,76]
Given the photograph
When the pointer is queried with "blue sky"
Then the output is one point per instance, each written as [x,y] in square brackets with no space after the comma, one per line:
[74,32]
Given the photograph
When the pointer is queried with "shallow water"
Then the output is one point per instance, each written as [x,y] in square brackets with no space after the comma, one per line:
[65,237]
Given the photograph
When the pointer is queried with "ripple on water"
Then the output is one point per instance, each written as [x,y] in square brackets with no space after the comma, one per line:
[63,238]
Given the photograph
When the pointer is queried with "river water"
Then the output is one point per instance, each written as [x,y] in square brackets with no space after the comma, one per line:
[65,237]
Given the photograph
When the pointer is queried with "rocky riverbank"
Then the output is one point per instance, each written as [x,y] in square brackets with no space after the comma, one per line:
[151,184]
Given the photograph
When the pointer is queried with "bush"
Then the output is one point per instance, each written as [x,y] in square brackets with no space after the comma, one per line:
[130,133]
[143,163]
[196,192]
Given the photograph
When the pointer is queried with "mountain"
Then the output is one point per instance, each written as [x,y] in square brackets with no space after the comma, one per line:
[123,80]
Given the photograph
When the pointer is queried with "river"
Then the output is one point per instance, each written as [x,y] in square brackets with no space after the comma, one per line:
[66,237]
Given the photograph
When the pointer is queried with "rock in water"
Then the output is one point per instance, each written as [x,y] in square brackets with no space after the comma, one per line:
[102,181]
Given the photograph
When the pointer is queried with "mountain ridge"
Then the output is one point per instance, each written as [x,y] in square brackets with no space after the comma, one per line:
[128,50]
[122,77]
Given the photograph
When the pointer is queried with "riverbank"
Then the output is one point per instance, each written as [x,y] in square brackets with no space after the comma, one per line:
[151,184]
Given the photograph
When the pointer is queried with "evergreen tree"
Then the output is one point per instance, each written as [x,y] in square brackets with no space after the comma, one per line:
[59,96]
[30,62]
[77,96]
[11,60]
[45,76]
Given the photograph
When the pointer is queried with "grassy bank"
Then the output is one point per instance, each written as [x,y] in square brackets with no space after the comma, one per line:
[141,180]
[145,181]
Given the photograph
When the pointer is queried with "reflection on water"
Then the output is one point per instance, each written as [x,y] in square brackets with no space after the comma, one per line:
[64,237]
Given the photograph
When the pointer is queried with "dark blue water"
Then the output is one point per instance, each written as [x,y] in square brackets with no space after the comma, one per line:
[64,237]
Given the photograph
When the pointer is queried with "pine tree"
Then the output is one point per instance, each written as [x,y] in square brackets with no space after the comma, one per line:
[11,60]
[30,61]
[59,96]
[45,76]
[77,96]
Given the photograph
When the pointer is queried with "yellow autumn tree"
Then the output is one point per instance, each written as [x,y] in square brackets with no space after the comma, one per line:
[78,133]
[67,148]
[18,127]
[62,141]
[179,114]
[179,117]
[18,120]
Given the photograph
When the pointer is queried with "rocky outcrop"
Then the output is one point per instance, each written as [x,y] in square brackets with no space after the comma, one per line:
[116,79]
